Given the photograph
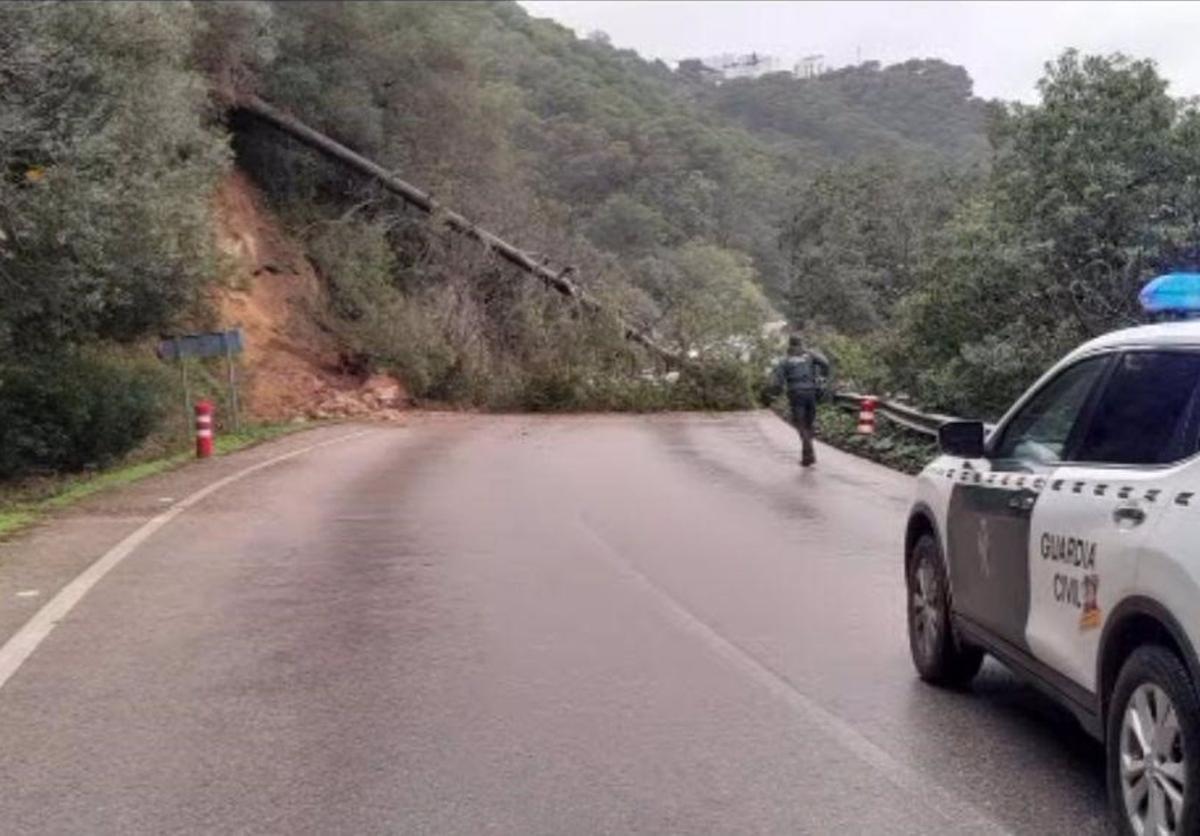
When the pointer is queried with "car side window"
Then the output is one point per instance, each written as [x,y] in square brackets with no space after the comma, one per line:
[1039,432]
[1146,413]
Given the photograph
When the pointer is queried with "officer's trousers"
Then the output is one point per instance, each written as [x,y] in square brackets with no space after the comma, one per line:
[804,418]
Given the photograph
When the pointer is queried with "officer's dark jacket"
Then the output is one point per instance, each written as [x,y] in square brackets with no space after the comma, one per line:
[798,374]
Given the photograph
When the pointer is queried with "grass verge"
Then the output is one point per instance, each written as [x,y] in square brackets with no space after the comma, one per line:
[25,503]
[892,445]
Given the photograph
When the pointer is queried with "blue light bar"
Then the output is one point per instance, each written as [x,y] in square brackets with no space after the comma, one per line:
[1174,293]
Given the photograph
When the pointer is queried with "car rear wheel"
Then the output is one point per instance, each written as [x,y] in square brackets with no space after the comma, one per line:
[940,657]
[1153,746]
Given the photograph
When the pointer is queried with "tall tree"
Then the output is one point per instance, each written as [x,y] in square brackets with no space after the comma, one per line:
[1093,192]
[109,156]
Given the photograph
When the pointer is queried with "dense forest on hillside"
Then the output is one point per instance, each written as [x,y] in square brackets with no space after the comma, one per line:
[921,110]
[936,244]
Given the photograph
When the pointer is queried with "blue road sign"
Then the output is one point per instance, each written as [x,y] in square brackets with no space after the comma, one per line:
[217,344]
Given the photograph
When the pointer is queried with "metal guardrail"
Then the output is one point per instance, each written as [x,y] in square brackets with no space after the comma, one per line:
[926,423]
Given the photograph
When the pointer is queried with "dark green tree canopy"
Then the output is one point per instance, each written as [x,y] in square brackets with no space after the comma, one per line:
[109,155]
[949,246]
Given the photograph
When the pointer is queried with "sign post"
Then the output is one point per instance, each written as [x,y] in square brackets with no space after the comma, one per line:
[227,344]
[216,344]
[187,394]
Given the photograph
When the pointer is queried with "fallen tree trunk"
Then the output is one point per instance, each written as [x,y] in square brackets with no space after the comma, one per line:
[424,201]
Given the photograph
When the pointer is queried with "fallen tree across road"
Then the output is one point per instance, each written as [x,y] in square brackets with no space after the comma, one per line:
[556,280]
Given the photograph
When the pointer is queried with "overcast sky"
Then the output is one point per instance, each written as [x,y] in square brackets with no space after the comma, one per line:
[1002,44]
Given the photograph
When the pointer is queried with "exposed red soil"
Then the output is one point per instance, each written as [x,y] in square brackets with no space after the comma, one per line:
[291,367]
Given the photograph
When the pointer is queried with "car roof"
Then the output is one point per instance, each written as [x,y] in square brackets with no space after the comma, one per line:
[1162,334]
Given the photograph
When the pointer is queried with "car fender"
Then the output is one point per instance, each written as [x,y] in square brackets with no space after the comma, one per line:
[931,499]
[1183,592]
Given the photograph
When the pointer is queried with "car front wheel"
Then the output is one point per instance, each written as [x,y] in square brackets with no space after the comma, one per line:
[1153,744]
[939,656]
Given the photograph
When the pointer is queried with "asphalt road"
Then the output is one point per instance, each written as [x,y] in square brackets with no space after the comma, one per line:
[513,625]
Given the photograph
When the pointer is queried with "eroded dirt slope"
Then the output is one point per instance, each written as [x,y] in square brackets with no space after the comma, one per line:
[291,367]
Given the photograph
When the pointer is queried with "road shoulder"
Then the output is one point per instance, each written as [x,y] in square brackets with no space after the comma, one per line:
[38,562]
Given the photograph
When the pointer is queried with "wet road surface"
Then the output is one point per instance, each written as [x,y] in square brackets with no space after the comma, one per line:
[513,625]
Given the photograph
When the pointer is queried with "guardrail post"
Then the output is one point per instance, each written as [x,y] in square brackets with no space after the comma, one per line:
[204,429]
[866,415]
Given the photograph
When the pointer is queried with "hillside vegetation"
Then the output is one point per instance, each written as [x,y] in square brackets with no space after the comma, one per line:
[935,243]
[920,110]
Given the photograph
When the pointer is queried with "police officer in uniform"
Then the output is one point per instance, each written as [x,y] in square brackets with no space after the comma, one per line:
[800,374]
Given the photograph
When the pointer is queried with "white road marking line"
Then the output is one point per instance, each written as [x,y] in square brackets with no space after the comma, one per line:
[20,647]
[29,593]
[958,811]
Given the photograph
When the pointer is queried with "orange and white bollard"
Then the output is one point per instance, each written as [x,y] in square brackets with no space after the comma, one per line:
[204,429]
[866,416]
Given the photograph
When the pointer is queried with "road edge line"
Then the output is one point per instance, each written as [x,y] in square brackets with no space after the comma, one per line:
[21,645]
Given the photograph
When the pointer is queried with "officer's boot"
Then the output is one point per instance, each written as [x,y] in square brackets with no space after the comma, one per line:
[808,456]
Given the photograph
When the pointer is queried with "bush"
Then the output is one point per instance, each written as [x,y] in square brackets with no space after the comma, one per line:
[892,445]
[616,393]
[110,160]
[553,389]
[718,385]
[68,413]
[858,363]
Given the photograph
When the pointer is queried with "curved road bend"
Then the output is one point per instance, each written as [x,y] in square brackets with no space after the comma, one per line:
[516,625]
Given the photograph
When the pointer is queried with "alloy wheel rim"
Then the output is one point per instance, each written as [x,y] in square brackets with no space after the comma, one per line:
[1153,765]
[926,615]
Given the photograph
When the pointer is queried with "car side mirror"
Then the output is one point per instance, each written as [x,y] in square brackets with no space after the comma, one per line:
[962,439]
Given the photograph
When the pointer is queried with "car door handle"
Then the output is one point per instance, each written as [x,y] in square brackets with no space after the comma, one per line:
[1129,514]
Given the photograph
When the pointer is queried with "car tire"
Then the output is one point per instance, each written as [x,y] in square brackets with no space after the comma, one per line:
[939,655]
[1154,686]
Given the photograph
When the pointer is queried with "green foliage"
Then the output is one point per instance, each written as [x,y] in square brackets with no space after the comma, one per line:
[592,155]
[890,444]
[708,295]
[719,384]
[408,334]
[108,160]
[922,109]
[859,364]
[926,101]
[858,238]
[622,224]
[74,411]
[24,501]
[969,287]
[359,266]
[1091,179]
[865,204]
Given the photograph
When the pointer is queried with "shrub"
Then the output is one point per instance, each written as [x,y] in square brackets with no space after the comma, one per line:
[109,162]
[553,390]
[72,412]
[718,385]
[891,444]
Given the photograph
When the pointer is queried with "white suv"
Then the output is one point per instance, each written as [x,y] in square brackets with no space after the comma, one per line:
[1067,544]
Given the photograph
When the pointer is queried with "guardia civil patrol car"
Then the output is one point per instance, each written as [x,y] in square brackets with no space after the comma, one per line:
[1065,542]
